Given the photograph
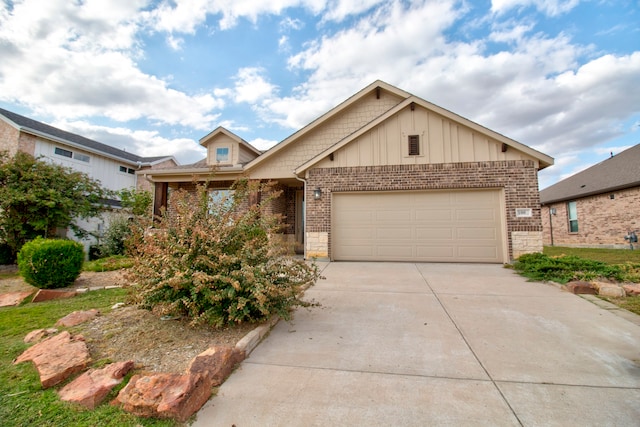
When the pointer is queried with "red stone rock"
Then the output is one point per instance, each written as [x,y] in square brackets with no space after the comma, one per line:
[90,388]
[57,358]
[580,287]
[39,334]
[50,294]
[216,363]
[631,290]
[77,317]
[13,298]
[172,396]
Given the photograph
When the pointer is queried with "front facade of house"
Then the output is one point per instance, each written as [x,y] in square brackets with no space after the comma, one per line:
[115,169]
[387,176]
[597,207]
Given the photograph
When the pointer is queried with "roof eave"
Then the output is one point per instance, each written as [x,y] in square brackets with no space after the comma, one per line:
[326,116]
[76,145]
[590,193]
[543,160]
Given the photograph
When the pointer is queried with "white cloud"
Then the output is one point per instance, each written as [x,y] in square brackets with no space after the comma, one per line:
[81,60]
[251,86]
[535,90]
[185,16]
[548,7]
[338,10]
[262,144]
[141,142]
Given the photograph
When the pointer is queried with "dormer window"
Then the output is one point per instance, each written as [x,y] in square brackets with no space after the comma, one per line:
[222,154]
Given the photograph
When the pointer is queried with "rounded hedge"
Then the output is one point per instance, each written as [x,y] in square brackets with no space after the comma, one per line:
[50,263]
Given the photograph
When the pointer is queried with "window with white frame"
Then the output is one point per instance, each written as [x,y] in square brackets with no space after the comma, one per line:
[125,169]
[71,154]
[572,213]
[222,154]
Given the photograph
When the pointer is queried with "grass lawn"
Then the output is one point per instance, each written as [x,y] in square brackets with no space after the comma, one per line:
[23,402]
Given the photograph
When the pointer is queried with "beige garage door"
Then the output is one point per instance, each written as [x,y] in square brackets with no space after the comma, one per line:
[436,226]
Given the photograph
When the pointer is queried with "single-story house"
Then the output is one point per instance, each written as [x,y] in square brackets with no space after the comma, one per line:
[387,176]
[114,168]
[597,207]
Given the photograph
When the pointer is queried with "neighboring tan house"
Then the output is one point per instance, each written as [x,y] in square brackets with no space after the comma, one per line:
[115,169]
[387,176]
[596,207]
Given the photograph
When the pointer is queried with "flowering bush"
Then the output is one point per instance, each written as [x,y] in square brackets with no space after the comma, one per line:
[217,261]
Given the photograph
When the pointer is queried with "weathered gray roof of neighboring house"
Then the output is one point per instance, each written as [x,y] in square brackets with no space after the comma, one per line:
[28,125]
[616,173]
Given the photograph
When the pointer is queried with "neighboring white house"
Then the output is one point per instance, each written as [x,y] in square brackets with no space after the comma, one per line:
[114,168]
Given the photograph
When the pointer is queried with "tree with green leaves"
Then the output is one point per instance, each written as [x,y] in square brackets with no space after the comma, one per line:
[37,198]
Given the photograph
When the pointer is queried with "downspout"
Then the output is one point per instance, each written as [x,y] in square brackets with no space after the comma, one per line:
[304,214]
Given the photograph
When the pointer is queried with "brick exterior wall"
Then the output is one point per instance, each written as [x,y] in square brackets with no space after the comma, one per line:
[8,138]
[602,221]
[12,140]
[518,178]
[284,205]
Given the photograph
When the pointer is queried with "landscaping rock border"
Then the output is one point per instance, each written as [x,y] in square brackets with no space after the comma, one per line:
[159,395]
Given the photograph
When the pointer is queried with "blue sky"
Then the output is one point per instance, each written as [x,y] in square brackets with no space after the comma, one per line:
[153,77]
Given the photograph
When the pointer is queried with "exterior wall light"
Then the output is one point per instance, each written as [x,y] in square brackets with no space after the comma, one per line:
[317,194]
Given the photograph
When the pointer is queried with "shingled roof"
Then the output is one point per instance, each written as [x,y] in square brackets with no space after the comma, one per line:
[616,173]
[35,127]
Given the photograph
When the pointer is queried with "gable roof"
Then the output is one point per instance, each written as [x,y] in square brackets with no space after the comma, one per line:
[377,85]
[204,141]
[34,127]
[544,160]
[616,173]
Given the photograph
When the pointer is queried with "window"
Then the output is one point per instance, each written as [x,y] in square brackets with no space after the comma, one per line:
[222,154]
[221,199]
[414,145]
[81,157]
[70,154]
[62,152]
[125,169]
[572,212]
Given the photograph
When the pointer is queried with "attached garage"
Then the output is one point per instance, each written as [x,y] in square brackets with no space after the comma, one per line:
[420,226]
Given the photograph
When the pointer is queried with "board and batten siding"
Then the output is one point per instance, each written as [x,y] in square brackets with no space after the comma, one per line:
[441,141]
[100,168]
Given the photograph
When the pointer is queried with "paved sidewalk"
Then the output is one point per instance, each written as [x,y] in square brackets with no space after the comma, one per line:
[400,344]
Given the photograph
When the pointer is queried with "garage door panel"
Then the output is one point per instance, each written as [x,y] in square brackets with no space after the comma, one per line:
[436,252]
[478,252]
[424,215]
[393,216]
[436,226]
[395,251]
[394,233]
[356,252]
[425,233]
[353,233]
[475,215]
[476,234]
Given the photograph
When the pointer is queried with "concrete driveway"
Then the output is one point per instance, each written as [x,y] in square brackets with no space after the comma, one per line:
[399,344]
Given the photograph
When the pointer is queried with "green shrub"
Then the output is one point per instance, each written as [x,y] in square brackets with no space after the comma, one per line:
[50,263]
[562,269]
[217,261]
[115,236]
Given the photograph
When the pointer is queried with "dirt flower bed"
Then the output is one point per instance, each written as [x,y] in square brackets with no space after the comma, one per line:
[130,333]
